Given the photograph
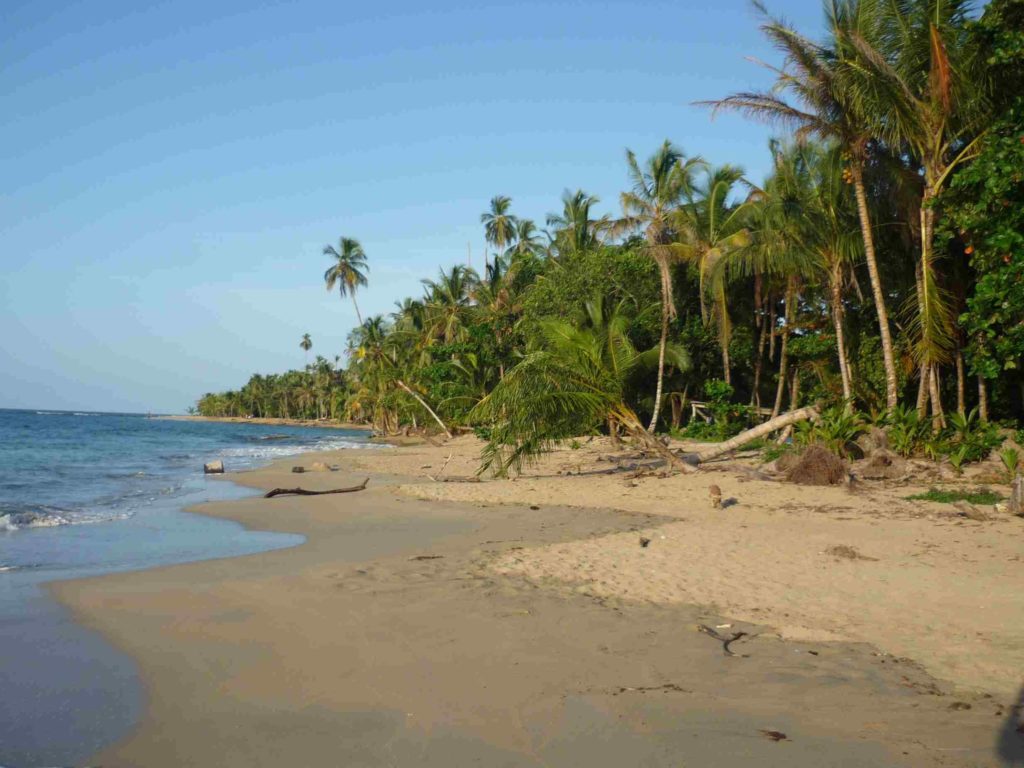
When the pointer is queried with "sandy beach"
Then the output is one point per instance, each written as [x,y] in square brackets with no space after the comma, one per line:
[520,622]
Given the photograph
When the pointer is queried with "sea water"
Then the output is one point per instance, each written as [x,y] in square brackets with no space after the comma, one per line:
[82,494]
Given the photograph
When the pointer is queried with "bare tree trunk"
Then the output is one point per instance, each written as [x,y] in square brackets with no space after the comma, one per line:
[938,416]
[755,395]
[783,358]
[922,391]
[613,431]
[891,393]
[359,317]
[771,332]
[961,400]
[423,402]
[837,320]
[761,430]
[661,357]
[982,400]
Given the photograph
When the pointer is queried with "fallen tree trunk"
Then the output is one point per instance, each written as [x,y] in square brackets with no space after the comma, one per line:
[304,492]
[761,430]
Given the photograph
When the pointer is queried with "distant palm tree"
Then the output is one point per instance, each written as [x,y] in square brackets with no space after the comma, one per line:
[349,270]
[448,301]
[574,230]
[306,344]
[650,206]
[499,224]
[527,239]
[712,229]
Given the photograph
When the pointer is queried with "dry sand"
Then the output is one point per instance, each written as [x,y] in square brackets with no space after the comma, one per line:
[429,623]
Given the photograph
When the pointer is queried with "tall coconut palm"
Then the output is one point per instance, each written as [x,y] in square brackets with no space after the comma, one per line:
[649,207]
[825,106]
[306,344]
[499,224]
[915,69]
[348,271]
[712,227]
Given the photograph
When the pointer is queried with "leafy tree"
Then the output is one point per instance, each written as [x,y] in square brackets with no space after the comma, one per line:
[348,271]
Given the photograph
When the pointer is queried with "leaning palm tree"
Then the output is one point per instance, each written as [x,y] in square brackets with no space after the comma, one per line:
[577,380]
[499,224]
[650,206]
[711,229]
[348,271]
[825,106]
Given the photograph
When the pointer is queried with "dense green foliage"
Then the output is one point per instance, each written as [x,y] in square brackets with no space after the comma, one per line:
[879,267]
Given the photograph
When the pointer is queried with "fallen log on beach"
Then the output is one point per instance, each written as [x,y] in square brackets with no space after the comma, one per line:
[304,492]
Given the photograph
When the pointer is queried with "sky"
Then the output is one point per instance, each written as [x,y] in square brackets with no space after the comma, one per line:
[170,172]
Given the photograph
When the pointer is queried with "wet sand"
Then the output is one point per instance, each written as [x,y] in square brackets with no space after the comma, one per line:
[392,638]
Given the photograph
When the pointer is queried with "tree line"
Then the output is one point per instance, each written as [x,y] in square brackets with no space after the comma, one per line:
[878,267]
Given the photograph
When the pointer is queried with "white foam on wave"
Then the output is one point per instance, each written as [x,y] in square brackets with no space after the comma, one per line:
[267,452]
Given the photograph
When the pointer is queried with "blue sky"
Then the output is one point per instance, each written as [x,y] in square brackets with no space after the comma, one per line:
[170,172]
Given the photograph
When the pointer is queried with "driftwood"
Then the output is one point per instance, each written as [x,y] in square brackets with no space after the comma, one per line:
[761,430]
[304,492]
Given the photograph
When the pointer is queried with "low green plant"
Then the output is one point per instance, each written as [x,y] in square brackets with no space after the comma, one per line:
[957,458]
[1011,462]
[837,428]
[575,444]
[976,496]
[908,432]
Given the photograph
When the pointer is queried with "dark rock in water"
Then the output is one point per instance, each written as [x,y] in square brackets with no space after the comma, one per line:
[298,470]
[213,468]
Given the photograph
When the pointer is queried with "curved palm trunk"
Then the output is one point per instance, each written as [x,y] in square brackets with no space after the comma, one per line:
[661,367]
[837,321]
[423,402]
[666,311]
[891,393]
[359,317]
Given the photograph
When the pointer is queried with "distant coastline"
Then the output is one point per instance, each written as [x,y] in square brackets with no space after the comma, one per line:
[324,423]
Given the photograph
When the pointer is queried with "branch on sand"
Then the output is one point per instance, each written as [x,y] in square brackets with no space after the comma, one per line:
[304,492]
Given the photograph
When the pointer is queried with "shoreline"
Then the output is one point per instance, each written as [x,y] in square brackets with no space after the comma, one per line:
[325,423]
[275,637]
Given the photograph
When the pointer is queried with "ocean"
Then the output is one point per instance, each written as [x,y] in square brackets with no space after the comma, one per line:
[82,494]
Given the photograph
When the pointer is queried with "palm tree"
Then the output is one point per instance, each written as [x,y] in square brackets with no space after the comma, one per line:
[914,69]
[827,108]
[579,378]
[527,240]
[448,301]
[499,224]
[650,207]
[306,344]
[349,270]
[574,230]
[712,229]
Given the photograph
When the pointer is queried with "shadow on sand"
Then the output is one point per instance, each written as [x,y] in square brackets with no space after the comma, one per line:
[1010,746]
